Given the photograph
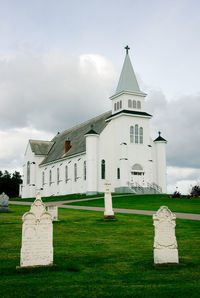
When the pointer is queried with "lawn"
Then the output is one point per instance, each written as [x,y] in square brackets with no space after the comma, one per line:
[58,198]
[149,202]
[96,258]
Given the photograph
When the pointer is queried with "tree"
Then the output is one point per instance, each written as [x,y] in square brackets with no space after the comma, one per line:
[9,183]
[195,192]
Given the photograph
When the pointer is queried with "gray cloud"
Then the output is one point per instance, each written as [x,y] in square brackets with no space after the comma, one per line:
[180,125]
[53,91]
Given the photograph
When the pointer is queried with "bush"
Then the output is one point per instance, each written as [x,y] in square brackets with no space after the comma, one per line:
[195,192]
[176,194]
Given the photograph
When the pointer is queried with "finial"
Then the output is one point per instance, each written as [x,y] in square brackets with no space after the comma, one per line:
[127,49]
[92,126]
[159,133]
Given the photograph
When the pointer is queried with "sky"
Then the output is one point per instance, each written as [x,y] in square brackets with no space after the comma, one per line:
[60,62]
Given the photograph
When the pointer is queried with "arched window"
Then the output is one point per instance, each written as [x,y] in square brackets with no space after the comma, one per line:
[134,104]
[75,172]
[115,106]
[130,103]
[141,135]
[66,174]
[138,104]
[118,173]
[28,172]
[50,177]
[103,169]
[84,170]
[120,104]
[136,134]
[131,134]
[43,178]
[58,175]
[137,170]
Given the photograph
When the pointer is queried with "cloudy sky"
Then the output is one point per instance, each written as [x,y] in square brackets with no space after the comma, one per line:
[60,61]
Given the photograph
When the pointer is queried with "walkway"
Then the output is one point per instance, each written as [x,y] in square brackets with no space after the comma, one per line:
[60,204]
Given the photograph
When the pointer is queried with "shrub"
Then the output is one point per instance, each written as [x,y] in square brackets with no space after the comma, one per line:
[195,192]
[176,194]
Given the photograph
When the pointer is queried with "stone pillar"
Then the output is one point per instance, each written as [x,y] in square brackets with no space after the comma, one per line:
[4,203]
[53,210]
[165,244]
[37,236]
[108,213]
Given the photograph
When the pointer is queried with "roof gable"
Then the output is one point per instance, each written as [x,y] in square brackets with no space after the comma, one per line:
[40,147]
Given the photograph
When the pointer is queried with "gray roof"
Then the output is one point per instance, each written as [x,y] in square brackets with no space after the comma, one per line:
[77,137]
[127,80]
[40,147]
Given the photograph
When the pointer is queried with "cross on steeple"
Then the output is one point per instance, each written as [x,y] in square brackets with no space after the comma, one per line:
[127,49]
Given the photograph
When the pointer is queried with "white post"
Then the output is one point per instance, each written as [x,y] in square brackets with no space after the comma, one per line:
[108,213]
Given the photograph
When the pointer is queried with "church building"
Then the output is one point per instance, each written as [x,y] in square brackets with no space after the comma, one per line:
[115,146]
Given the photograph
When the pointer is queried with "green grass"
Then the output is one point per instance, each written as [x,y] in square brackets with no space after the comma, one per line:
[96,258]
[149,202]
[59,198]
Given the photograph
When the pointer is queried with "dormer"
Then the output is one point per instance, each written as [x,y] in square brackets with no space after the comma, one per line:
[128,95]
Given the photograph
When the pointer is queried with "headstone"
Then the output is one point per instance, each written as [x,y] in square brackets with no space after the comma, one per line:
[165,244]
[4,203]
[53,210]
[108,213]
[37,236]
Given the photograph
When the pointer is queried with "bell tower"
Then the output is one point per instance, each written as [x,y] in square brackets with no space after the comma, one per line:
[128,95]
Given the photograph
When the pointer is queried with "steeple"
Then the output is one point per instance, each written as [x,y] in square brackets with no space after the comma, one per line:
[127,80]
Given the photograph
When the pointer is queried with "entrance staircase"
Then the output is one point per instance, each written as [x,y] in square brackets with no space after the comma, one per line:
[151,188]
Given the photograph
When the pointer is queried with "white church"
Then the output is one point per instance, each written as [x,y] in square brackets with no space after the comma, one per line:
[115,146]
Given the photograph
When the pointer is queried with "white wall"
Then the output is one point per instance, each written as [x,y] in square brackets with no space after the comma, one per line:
[29,190]
[62,187]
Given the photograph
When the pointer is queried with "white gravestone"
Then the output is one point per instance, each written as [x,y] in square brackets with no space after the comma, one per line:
[108,213]
[4,202]
[165,244]
[53,210]
[37,236]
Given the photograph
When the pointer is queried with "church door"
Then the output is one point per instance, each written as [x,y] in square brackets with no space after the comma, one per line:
[137,175]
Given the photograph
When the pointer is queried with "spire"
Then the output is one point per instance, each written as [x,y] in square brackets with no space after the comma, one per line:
[127,80]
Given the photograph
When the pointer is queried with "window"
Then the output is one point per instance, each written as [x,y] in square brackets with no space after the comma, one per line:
[136,134]
[50,177]
[130,103]
[138,104]
[84,170]
[134,104]
[66,174]
[118,173]
[141,135]
[137,169]
[28,172]
[103,169]
[43,180]
[120,104]
[115,106]
[75,172]
[58,175]
[131,134]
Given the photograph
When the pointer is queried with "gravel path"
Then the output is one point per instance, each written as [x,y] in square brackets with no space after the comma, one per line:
[117,210]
